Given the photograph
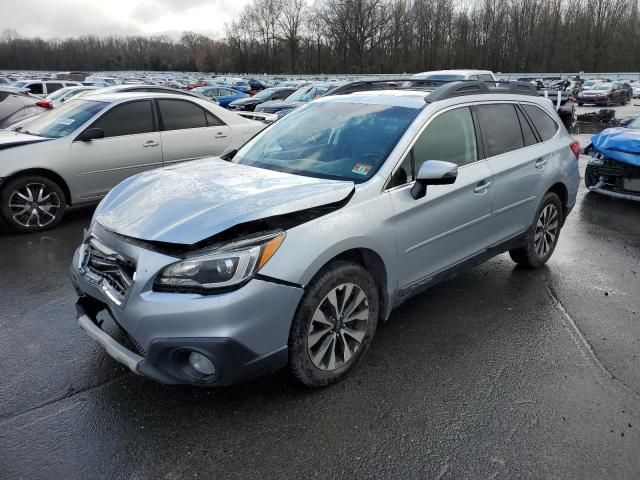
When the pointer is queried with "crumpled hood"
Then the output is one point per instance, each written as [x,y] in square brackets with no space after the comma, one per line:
[190,202]
[9,138]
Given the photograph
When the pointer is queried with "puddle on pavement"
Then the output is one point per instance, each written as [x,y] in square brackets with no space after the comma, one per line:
[590,128]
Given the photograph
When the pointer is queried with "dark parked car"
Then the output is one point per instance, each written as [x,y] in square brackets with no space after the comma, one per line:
[250,103]
[299,97]
[256,85]
[604,94]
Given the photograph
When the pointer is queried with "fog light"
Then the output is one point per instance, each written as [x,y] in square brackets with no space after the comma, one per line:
[201,364]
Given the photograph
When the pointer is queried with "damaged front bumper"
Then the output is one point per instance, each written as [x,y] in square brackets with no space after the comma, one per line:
[243,332]
[613,178]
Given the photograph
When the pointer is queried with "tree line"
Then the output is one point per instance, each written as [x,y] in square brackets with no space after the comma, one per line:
[367,36]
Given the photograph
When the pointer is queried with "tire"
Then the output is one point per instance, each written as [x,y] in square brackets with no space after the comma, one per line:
[580,104]
[541,241]
[32,204]
[317,353]
[590,178]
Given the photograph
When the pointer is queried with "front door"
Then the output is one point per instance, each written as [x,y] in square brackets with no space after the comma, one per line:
[131,145]
[450,224]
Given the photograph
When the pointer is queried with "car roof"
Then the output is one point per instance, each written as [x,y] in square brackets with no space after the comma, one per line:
[455,72]
[113,97]
[398,98]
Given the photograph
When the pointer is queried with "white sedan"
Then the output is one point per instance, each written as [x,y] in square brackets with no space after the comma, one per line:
[75,153]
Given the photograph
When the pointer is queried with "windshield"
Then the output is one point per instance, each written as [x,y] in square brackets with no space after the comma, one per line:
[58,93]
[308,93]
[634,124]
[265,94]
[601,86]
[61,121]
[342,141]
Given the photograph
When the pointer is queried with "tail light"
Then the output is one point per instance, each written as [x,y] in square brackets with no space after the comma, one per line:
[45,104]
[575,148]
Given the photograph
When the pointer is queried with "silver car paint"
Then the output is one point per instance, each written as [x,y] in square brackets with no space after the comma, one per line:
[413,239]
[91,169]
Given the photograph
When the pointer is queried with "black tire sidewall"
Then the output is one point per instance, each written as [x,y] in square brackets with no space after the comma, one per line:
[15,184]
[300,365]
[534,259]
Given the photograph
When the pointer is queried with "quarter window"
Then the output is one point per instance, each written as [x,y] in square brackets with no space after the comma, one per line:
[545,125]
[500,128]
[129,119]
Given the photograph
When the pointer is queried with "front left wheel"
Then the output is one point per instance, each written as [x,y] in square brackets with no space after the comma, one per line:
[32,203]
[334,325]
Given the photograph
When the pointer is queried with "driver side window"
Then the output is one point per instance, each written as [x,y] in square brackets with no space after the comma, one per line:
[450,137]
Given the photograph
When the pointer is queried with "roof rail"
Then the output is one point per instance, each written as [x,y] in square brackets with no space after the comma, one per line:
[479,87]
[388,83]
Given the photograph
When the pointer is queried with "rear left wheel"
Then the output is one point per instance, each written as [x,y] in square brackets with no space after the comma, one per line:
[543,234]
[32,204]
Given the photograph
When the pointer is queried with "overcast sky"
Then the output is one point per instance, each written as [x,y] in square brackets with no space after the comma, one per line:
[64,18]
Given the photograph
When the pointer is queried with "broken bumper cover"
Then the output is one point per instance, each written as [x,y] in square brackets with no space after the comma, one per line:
[166,359]
[614,179]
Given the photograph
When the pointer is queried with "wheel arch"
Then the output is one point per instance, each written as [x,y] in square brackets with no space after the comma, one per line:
[373,263]
[43,172]
[561,190]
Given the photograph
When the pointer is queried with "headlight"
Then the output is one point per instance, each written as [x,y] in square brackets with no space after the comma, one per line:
[221,267]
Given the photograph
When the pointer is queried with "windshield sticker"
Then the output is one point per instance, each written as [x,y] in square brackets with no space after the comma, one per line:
[65,121]
[361,169]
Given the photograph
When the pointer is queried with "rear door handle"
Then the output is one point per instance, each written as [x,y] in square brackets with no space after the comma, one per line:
[221,135]
[151,143]
[482,187]
[541,162]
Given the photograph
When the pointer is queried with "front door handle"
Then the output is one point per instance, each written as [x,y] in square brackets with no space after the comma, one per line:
[151,143]
[541,162]
[482,187]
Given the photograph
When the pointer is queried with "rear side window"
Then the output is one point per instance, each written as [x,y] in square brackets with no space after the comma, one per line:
[500,128]
[450,137]
[545,125]
[486,77]
[180,115]
[128,119]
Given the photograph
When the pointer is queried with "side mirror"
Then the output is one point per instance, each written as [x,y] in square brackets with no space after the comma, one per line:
[91,134]
[433,172]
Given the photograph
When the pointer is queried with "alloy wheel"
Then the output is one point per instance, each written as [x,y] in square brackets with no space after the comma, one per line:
[338,327]
[546,230]
[34,205]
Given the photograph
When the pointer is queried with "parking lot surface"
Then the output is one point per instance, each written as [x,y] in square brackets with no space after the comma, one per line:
[497,373]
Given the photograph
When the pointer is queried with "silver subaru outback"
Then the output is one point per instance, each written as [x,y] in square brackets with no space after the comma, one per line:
[289,251]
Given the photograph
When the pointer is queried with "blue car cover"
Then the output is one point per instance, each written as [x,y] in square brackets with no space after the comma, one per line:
[620,144]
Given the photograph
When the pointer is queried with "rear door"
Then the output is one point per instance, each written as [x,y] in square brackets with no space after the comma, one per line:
[190,132]
[520,161]
[132,144]
[449,224]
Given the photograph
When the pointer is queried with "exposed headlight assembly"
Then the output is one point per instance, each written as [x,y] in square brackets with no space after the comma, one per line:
[221,268]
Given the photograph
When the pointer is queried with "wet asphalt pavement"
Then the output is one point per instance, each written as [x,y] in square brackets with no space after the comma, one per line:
[500,373]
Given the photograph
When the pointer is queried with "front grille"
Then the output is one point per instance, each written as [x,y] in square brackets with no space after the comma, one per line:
[112,272]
